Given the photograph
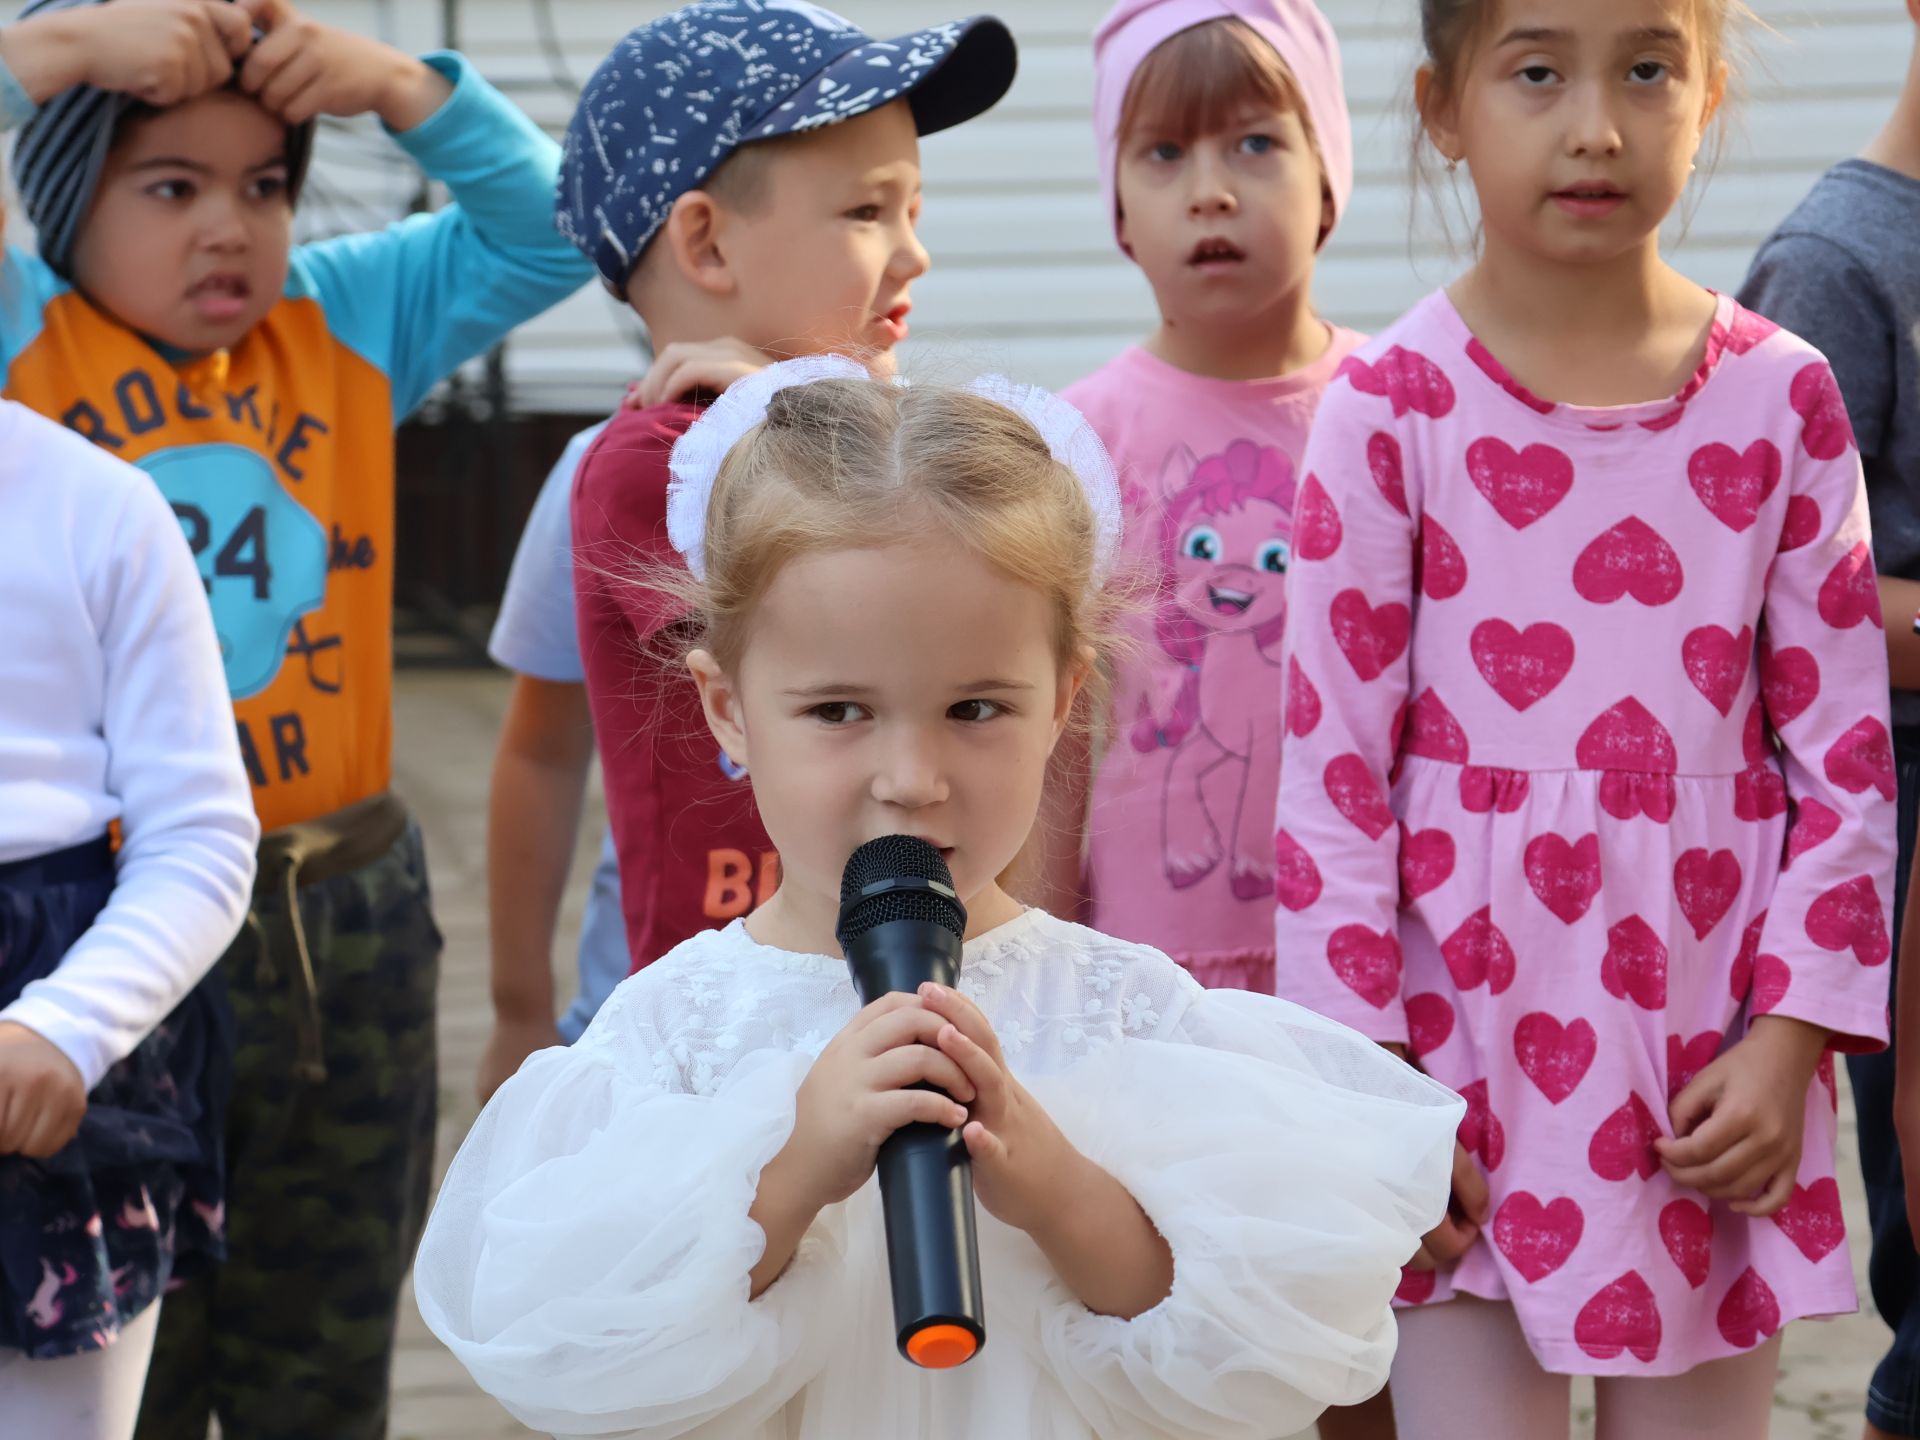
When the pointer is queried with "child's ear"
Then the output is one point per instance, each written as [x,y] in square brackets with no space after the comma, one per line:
[720,700]
[1716,96]
[692,235]
[1438,114]
[1073,679]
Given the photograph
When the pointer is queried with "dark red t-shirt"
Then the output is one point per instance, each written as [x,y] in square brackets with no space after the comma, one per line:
[692,851]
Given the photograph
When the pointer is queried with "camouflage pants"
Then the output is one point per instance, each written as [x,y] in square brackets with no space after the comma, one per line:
[330,1145]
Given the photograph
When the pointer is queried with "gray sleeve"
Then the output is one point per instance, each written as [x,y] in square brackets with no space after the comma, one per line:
[1820,292]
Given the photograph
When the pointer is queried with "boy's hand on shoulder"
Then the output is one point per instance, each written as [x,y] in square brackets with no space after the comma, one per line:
[160,52]
[1024,1168]
[689,365]
[302,69]
[42,1096]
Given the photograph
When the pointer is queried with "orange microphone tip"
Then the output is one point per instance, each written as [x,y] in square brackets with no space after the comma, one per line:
[941,1347]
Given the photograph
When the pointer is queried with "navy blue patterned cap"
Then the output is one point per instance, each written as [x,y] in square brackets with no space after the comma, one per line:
[679,95]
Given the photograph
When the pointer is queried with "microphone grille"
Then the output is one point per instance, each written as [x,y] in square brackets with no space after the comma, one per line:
[896,857]
[892,857]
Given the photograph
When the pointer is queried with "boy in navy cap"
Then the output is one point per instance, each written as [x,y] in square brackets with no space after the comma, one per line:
[734,170]
[746,175]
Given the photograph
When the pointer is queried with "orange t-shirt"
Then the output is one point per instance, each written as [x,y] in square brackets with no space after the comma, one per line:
[277,456]
[289,514]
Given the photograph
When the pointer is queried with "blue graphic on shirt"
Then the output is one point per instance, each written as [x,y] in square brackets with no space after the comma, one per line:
[262,556]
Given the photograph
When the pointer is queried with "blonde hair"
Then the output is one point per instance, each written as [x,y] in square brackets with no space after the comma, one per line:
[856,464]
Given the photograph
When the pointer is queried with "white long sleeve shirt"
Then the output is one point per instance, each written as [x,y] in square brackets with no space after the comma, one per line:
[113,705]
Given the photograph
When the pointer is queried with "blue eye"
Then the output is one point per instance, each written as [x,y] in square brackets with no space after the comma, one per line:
[1274,556]
[1201,543]
[1258,144]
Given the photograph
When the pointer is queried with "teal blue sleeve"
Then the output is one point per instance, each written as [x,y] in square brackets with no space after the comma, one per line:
[419,298]
[26,283]
[16,106]
[27,287]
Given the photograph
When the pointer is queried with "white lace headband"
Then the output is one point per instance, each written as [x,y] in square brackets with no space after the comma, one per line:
[743,405]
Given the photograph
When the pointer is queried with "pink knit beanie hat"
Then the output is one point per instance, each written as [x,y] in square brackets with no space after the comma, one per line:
[1299,34]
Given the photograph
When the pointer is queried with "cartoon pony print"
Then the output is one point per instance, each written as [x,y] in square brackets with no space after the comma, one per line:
[1224,549]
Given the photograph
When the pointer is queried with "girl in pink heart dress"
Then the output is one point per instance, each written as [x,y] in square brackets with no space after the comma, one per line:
[1586,795]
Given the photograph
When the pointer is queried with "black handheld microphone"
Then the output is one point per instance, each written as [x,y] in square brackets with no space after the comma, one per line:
[901,925]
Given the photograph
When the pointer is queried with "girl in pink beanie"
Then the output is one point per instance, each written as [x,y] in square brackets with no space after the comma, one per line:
[1197,70]
[1226,158]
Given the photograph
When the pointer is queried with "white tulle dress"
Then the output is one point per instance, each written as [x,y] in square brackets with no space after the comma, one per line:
[588,1256]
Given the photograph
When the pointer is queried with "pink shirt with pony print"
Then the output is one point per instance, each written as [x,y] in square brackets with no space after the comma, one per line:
[1180,827]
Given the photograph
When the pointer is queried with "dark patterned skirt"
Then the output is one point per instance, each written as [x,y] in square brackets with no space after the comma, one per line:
[91,1235]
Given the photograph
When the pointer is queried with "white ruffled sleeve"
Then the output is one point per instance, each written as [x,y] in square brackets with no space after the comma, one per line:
[588,1257]
[1292,1166]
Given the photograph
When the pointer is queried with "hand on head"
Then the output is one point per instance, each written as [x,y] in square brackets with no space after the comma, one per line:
[156,50]
[301,69]
[167,52]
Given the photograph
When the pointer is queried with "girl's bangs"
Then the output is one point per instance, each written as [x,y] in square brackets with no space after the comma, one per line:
[1202,80]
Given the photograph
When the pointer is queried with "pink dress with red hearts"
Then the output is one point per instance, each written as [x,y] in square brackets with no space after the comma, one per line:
[1557,679]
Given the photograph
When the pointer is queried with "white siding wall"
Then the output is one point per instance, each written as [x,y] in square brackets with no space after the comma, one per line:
[1025,277]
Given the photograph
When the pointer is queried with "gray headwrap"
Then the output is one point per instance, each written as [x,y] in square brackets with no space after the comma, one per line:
[60,153]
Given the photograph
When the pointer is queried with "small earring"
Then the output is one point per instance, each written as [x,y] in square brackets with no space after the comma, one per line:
[1453,164]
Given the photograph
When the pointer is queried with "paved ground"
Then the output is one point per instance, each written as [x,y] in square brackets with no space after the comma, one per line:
[446,722]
